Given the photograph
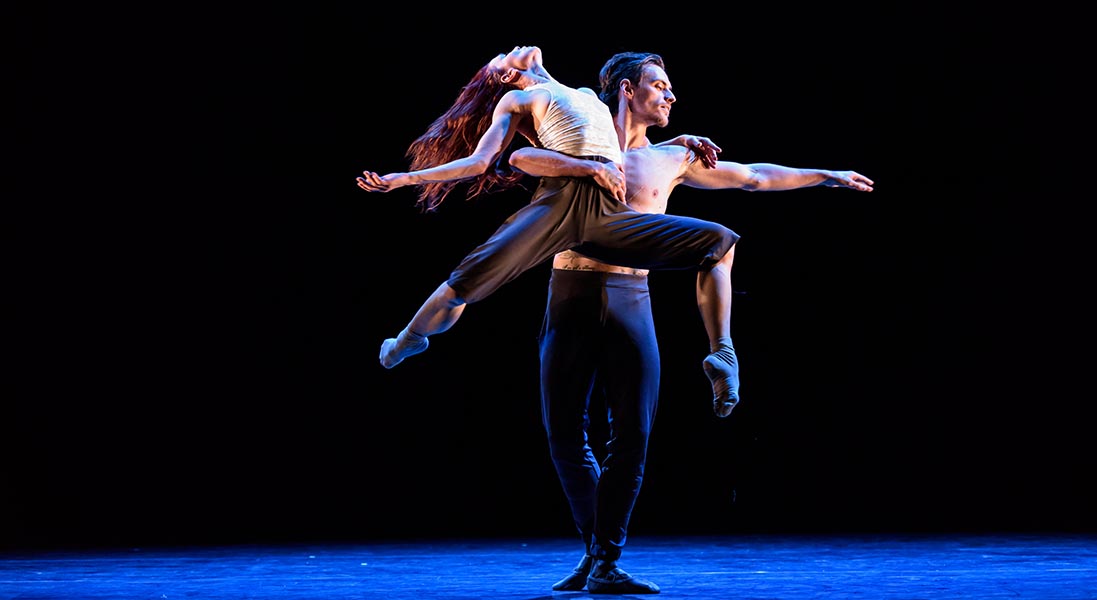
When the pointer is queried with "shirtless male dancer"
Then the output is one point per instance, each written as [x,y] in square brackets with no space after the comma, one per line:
[598,316]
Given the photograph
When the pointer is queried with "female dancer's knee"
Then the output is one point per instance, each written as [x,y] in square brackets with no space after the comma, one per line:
[724,247]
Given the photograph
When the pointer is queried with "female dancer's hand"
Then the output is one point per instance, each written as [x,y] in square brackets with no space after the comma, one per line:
[372,182]
[705,149]
[612,177]
[702,146]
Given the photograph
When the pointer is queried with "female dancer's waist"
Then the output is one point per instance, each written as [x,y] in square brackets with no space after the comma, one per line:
[594,157]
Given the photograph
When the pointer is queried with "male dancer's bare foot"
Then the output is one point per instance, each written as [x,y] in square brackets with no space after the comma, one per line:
[722,370]
[394,350]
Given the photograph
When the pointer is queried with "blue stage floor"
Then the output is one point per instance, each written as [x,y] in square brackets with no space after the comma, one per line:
[903,566]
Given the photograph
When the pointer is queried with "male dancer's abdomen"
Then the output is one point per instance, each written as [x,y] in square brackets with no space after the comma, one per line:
[570,260]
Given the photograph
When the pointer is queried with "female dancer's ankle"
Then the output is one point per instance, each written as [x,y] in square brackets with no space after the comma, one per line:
[721,342]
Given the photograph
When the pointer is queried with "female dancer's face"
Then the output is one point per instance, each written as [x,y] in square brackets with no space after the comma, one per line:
[521,58]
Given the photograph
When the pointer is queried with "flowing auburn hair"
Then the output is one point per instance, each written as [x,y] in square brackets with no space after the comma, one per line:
[455,134]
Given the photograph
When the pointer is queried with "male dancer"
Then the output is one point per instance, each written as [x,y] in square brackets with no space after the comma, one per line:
[598,317]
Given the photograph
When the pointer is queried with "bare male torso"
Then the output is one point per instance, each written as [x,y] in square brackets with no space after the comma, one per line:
[651,174]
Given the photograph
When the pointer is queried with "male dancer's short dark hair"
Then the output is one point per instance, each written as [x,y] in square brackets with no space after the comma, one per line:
[621,66]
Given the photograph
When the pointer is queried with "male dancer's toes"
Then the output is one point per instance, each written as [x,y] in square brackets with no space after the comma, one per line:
[722,370]
[394,350]
[607,578]
[577,580]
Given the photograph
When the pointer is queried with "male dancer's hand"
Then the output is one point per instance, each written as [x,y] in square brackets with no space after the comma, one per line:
[849,179]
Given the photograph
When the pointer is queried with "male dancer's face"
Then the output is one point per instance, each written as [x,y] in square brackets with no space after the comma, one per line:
[652,97]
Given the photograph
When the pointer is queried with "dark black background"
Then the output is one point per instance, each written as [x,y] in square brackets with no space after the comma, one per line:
[206,289]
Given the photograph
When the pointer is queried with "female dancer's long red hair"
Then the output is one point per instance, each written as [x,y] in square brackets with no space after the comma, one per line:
[455,134]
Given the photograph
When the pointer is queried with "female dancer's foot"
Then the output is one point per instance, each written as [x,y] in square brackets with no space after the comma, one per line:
[394,350]
[722,370]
